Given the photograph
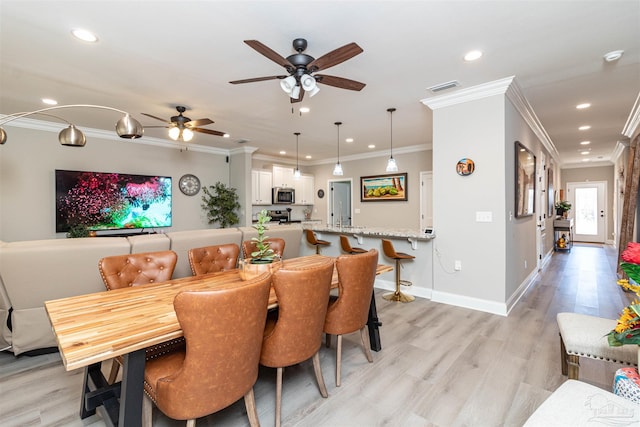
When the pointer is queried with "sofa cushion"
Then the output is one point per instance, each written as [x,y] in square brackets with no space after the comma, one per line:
[149,243]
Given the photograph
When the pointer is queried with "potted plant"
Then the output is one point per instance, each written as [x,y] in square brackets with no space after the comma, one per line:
[220,204]
[562,207]
[264,258]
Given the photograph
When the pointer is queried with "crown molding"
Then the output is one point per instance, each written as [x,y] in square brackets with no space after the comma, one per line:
[496,87]
[507,86]
[631,126]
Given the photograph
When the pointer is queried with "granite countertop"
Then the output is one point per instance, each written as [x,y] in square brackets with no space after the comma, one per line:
[370,231]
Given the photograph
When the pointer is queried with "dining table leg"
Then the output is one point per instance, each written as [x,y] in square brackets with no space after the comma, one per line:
[374,324]
[132,391]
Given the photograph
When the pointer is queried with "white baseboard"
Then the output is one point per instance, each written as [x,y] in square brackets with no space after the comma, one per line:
[416,291]
[487,306]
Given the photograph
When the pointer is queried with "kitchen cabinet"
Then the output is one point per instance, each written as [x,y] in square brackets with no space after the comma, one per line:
[305,190]
[261,183]
[283,177]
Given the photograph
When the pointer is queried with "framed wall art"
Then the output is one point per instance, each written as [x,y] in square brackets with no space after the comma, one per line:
[525,181]
[383,188]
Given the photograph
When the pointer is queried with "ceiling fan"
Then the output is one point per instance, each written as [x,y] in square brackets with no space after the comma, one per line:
[301,68]
[182,127]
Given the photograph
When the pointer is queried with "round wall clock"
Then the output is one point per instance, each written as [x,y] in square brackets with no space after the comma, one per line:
[189,184]
[321,193]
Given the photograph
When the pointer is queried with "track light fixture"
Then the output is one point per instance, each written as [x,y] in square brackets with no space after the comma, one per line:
[391,164]
[337,170]
[127,127]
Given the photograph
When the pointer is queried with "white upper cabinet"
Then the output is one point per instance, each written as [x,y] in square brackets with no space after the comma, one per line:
[261,183]
[305,190]
[283,177]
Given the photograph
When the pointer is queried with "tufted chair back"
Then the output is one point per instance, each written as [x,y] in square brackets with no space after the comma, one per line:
[211,259]
[349,312]
[223,330]
[121,271]
[296,335]
[275,243]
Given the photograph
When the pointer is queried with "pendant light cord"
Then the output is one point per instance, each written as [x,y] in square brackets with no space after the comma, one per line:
[391,110]
[338,126]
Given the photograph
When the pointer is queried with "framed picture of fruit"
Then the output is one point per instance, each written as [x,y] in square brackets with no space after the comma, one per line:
[383,188]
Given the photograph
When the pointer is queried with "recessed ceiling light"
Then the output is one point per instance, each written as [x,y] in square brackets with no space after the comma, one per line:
[84,35]
[584,153]
[585,160]
[585,127]
[583,106]
[49,101]
[307,156]
[304,109]
[348,140]
[283,152]
[226,135]
[473,55]
[585,142]
[371,146]
[614,55]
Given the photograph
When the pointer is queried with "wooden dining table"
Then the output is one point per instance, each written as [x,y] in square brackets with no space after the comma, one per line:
[96,327]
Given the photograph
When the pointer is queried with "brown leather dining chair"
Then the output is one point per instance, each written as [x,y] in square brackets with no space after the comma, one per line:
[275,243]
[212,259]
[223,330]
[349,312]
[346,246]
[296,335]
[122,271]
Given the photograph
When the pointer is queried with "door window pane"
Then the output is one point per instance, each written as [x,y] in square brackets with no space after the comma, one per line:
[586,211]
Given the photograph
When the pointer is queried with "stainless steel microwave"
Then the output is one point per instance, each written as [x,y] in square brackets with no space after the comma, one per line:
[283,196]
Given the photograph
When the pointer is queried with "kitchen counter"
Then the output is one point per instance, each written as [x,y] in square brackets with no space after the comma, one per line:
[411,241]
[370,231]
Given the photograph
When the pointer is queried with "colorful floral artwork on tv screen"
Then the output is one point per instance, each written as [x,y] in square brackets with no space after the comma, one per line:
[111,201]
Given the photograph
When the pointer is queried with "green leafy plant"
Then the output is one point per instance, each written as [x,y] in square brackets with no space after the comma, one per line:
[78,230]
[221,204]
[264,253]
[563,206]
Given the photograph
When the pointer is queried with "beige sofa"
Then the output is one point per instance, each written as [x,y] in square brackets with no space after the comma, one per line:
[32,272]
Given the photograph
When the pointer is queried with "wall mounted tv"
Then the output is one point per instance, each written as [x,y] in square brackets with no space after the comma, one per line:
[111,201]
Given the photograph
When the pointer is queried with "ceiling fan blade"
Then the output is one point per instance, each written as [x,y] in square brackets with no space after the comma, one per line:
[340,82]
[335,57]
[257,79]
[208,131]
[199,122]
[157,118]
[269,53]
[151,127]
[299,98]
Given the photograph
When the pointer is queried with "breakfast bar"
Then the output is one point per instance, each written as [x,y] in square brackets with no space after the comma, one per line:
[413,242]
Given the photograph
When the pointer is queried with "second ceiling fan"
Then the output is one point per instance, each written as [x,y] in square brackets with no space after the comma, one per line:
[301,68]
[181,127]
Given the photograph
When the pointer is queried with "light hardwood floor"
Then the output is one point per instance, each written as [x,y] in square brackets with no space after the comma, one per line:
[440,365]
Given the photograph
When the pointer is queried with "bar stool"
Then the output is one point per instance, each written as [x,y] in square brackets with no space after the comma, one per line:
[311,238]
[390,251]
[346,246]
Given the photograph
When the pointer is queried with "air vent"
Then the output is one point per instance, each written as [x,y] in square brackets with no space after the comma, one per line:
[444,86]
[242,141]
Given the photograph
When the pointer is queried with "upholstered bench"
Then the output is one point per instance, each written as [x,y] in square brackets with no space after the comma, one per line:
[582,335]
[576,403]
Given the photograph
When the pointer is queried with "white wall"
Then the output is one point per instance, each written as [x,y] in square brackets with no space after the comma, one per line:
[27,180]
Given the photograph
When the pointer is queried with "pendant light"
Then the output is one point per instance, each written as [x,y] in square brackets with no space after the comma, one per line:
[296,173]
[391,164]
[337,170]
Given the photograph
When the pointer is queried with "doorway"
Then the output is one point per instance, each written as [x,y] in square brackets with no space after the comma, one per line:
[339,205]
[587,209]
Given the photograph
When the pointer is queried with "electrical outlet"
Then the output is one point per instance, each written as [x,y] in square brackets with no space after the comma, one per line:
[525,263]
[457,265]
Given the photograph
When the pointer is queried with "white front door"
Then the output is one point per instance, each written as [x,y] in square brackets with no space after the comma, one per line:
[588,211]
[340,203]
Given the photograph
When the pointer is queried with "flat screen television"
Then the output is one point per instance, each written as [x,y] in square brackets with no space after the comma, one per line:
[111,201]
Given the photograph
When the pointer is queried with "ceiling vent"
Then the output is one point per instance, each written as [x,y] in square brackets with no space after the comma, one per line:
[444,86]
[242,141]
